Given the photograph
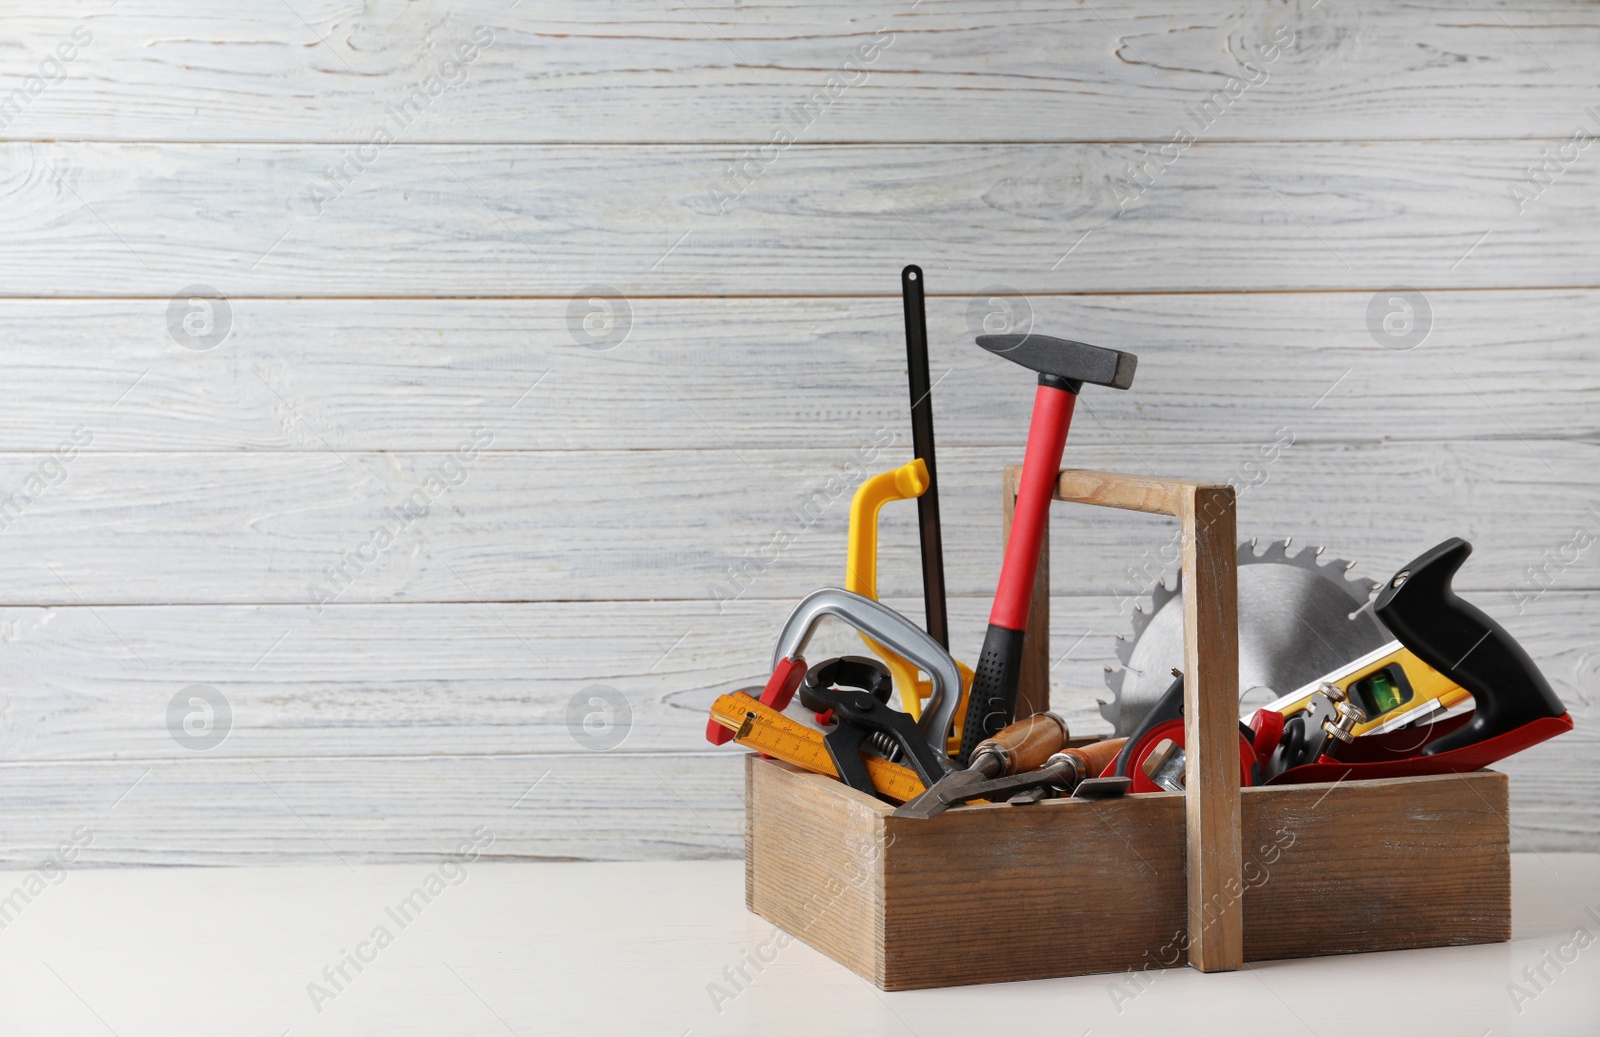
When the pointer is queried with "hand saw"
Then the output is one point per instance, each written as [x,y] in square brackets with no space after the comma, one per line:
[861,577]
[740,718]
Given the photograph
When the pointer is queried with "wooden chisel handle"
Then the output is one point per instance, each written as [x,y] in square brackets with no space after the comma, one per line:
[1022,746]
[1095,757]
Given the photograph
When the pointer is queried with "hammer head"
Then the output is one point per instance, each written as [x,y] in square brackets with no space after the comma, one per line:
[1063,358]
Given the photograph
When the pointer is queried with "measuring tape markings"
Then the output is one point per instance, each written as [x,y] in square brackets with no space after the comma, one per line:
[767,731]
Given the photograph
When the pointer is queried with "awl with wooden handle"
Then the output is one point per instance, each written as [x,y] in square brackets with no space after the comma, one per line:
[1062,771]
[1022,746]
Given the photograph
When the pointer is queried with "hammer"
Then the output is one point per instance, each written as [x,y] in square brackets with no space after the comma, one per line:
[1063,366]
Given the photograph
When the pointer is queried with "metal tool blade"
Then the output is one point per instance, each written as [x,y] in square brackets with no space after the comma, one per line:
[1102,788]
[1298,619]
[932,802]
[990,788]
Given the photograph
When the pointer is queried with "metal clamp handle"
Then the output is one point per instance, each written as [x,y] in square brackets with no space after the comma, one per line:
[890,629]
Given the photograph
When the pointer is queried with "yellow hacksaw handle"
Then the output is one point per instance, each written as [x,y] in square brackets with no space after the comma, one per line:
[861,574]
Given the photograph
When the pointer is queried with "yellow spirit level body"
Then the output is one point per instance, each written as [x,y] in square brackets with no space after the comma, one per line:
[1391,685]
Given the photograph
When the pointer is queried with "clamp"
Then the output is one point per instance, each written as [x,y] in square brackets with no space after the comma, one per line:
[886,627]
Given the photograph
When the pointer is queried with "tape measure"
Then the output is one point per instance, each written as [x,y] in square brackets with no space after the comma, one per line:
[768,731]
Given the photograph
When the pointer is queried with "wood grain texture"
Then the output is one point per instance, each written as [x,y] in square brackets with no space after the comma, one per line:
[627,490]
[1427,868]
[812,869]
[90,219]
[1208,544]
[205,811]
[279,527]
[1155,496]
[399,720]
[1211,727]
[782,373]
[1101,884]
[453,679]
[950,887]
[571,71]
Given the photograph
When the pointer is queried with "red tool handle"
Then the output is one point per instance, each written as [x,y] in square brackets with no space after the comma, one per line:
[992,699]
[1047,439]
[1470,757]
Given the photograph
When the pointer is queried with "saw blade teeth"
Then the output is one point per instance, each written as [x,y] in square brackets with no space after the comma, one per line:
[1140,620]
[1338,571]
[1124,649]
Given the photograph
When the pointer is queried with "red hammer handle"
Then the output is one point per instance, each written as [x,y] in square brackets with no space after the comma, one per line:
[1047,439]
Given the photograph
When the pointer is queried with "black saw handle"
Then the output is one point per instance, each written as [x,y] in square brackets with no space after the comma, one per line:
[1456,638]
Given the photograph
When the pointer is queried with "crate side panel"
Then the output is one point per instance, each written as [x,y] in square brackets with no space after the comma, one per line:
[1376,865]
[812,854]
[1065,887]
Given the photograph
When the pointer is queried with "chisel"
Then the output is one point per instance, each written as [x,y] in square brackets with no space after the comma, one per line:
[1022,746]
[1062,771]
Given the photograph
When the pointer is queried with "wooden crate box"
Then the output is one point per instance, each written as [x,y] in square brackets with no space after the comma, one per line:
[1210,877]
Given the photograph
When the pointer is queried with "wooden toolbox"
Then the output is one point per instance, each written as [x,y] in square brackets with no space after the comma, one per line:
[1211,877]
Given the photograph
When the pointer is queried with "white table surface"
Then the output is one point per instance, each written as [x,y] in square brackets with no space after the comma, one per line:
[632,949]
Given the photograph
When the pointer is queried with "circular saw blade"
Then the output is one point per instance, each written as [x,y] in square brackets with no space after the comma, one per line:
[1298,620]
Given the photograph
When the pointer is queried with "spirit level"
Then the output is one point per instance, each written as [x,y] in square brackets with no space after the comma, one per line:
[1390,684]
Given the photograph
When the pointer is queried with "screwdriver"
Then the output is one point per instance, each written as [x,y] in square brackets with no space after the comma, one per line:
[1063,771]
[1022,746]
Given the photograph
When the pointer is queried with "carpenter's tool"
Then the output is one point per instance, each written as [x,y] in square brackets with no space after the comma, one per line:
[861,721]
[1301,617]
[1461,641]
[1022,746]
[1102,788]
[1157,762]
[1062,772]
[1390,685]
[847,671]
[911,289]
[1514,707]
[1063,366]
[1327,721]
[740,718]
[883,625]
[1167,708]
[861,570]
[1153,757]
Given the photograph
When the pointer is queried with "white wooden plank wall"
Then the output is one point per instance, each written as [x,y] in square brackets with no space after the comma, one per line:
[173,516]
